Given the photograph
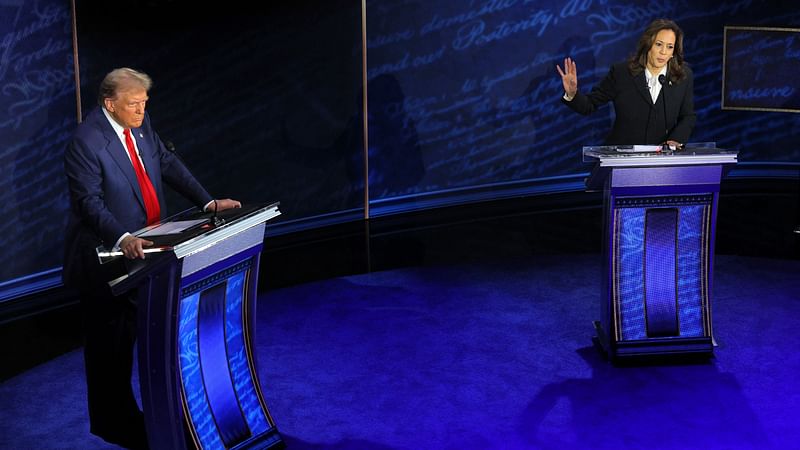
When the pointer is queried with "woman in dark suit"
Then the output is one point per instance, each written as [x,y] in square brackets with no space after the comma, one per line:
[652,91]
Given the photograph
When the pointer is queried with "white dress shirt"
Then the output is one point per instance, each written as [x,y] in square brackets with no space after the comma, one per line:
[652,82]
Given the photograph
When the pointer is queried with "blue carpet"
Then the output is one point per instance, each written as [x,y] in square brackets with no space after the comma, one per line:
[485,355]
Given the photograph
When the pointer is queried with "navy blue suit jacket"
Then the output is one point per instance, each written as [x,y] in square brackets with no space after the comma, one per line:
[638,119]
[105,199]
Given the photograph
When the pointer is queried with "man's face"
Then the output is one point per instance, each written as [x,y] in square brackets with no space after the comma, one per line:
[127,108]
[662,49]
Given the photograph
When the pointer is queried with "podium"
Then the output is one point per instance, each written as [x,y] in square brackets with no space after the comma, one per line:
[197,291]
[660,212]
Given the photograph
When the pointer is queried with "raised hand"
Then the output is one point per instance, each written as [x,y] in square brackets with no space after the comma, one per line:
[569,77]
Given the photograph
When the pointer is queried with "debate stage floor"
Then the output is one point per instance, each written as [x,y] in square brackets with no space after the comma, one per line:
[491,355]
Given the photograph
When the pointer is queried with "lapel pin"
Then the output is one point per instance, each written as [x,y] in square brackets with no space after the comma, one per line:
[142,136]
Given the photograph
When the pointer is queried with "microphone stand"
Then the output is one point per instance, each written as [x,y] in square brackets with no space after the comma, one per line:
[649,112]
[171,148]
[216,220]
[663,80]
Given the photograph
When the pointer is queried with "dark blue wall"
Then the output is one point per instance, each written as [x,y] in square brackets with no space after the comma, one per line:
[260,100]
[37,116]
[264,102]
[472,87]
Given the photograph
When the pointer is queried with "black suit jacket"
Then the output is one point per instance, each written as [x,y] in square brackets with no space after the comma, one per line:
[638,120]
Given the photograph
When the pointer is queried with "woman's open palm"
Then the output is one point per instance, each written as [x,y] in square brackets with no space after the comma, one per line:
[569,76]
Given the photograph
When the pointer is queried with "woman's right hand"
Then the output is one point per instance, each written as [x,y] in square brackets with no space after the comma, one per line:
[569,77]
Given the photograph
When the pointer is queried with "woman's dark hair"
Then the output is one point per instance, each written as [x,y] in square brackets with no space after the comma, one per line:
[675,65]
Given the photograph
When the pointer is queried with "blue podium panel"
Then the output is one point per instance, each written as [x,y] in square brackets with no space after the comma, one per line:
[219,381]
[660,213]
[658,256]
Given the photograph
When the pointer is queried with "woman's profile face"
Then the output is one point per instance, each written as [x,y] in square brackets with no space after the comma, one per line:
[661,51]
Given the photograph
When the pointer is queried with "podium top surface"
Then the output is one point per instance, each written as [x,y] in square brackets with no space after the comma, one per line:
[643,156]
[204,229]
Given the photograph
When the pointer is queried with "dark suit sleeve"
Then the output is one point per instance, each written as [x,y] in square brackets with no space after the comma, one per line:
[686,115]
[85,181]
[602,93]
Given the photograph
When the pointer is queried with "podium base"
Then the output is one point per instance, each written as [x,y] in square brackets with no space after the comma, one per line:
[701,347]
[271,440]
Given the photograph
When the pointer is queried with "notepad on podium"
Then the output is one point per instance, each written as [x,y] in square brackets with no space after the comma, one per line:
[638,148]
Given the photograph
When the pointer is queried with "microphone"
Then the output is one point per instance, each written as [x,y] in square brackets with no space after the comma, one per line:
[663,80]
[171,148]
[649,111]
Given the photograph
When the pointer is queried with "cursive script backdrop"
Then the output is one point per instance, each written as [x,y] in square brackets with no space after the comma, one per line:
[761,67]
[466,94]
[37,116]
[263,99]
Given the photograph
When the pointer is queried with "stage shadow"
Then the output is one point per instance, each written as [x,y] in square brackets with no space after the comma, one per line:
[676,405]
[294,443]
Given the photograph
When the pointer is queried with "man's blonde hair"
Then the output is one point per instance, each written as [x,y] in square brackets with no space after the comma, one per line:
[119,79]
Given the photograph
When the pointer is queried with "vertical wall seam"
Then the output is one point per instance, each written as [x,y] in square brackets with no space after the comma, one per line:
[75,63]
[365,120]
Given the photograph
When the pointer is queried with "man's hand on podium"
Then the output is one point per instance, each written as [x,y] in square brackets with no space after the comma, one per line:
[227,203]
[133,247]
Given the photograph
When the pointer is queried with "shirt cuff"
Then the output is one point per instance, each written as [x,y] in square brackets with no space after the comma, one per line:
[568,98]
[119,241]
[205,208]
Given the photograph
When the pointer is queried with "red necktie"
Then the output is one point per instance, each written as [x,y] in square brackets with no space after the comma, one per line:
[148,192]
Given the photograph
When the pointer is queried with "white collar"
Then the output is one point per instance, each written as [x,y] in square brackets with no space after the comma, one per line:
[649,77]
[116,126]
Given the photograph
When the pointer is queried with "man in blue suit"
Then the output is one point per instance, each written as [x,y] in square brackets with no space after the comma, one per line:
[116,167]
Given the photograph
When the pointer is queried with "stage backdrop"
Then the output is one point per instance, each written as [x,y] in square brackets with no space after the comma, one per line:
[264,102]
[465,94]
[260,100]
[37,116]
[750,59]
